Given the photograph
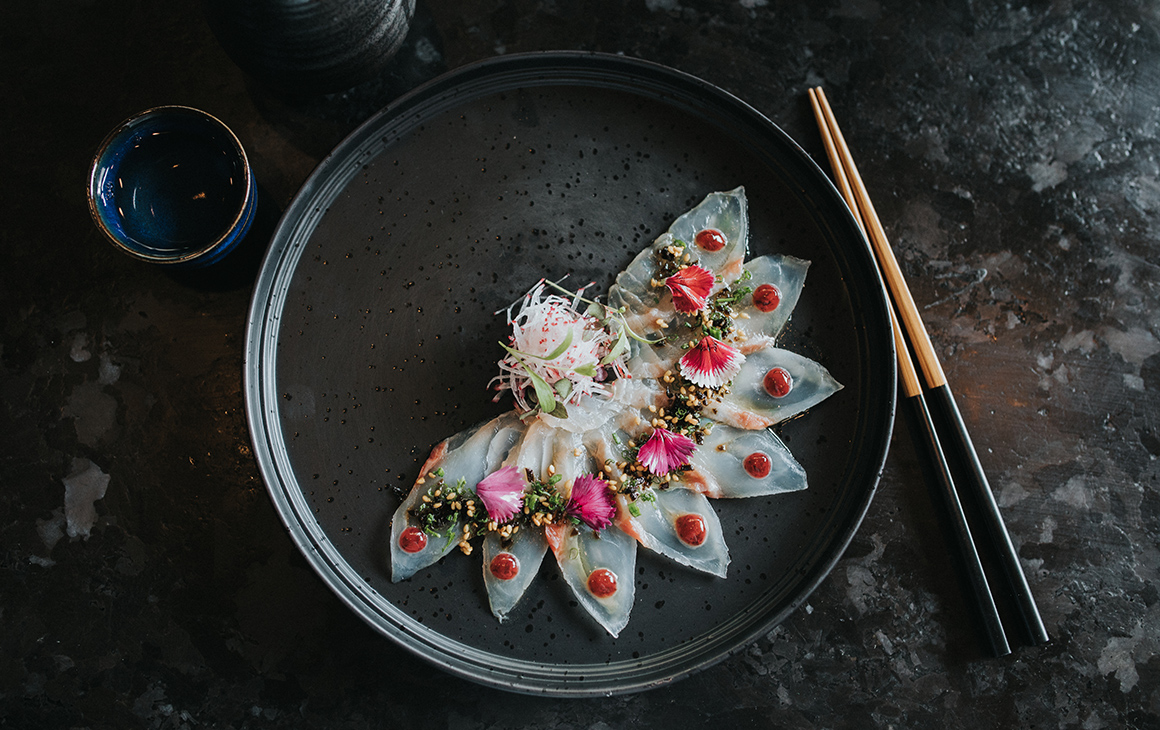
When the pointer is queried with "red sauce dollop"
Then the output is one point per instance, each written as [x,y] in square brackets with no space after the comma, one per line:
[602,582]
[412,540]
[710,239]
[766,297]
[691,529]
[778,382]
[504,566]
[757,465]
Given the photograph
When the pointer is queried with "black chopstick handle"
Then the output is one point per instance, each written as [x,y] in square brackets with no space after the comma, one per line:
[972,481]
[964,544]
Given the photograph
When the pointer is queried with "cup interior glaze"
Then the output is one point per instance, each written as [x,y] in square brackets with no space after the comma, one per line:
[172,185]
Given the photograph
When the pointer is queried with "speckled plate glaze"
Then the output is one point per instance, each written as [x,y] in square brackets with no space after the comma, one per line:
[372,336]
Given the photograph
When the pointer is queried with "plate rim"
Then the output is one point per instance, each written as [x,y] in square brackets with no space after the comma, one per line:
[326,560]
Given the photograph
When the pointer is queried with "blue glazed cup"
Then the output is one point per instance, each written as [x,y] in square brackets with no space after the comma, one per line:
[172,186]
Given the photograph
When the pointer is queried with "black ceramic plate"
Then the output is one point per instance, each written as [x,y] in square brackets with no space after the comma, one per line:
[372,336]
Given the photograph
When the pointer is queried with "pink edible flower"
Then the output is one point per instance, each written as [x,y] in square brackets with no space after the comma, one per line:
[502,493]
[665,451]
[711,363]
[591,502]
[690,287]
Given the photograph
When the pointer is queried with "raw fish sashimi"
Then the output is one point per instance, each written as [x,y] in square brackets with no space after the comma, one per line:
[777,283]
[470,455]
[754,402]
[734,463]
[678,523]
[509,566]
[631,414]
[600,568]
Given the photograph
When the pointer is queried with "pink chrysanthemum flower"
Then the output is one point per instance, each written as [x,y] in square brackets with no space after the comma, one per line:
[591,502]
[690,287]
[711,363]
[502,493]
[665,451]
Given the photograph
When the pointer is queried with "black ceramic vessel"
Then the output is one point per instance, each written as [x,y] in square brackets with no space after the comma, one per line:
[308,47]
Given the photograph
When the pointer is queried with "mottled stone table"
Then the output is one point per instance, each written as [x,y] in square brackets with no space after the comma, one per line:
[1012,152]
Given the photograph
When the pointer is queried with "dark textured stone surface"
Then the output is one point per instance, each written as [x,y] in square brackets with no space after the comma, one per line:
[1012,153]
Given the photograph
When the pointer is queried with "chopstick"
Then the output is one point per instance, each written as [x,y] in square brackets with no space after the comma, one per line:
[969,561]
[953,452]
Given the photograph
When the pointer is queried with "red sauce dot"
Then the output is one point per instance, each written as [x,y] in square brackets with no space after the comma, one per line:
[504,566]
[710,239]
[757,465]
[778,382]
[766,297]
[602,582]
[412,540]
[691,529]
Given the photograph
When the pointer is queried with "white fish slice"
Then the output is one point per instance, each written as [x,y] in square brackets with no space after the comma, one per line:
[600,568]
[726,212]
[719,465]
[678,523]
[535,451]
[509,566]
[469,455]
[750,405]
[787,274]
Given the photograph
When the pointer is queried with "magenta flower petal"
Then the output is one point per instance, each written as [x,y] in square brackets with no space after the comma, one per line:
[502,493]
[690,287]
[592,502]
[665,451]
[711,363]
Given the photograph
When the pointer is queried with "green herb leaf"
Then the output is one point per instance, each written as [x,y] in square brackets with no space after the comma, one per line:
[563,388]
[544,393]
[618,349]
[588,370]
[633,509]
[561,348]
[559,411]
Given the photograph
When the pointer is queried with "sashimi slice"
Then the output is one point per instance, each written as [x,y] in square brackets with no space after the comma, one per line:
[678,523]
[469,455]
[760,325]
[728,213]
[735,463]
[509,566]
[750,404]
[535,450]
[584,415]
[600,568]
[653,361]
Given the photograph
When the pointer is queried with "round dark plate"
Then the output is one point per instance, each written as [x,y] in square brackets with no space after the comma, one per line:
[372,336]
